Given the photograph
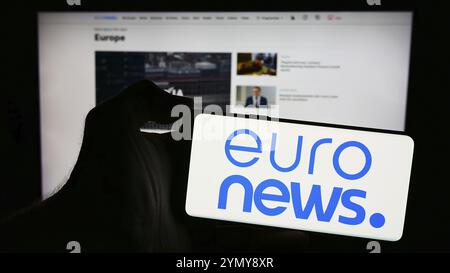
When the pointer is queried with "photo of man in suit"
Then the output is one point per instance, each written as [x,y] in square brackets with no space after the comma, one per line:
[256,100]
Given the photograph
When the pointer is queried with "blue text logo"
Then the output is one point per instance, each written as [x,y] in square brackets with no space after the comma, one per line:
[302,206]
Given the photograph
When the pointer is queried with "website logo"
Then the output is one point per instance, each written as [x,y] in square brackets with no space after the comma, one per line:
[303,206]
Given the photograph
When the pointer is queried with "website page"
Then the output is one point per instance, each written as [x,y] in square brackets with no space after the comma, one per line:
[348,68]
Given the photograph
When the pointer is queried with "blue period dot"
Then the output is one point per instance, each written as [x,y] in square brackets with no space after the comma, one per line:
[377,220]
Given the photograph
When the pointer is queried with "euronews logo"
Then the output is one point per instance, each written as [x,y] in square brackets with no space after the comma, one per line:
[303,205]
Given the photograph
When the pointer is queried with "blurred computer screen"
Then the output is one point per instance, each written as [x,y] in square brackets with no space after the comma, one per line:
[348,68]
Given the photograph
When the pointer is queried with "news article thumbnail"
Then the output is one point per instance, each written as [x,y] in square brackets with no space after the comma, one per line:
[255,96]
[257,64]
[181,73]
[206,75]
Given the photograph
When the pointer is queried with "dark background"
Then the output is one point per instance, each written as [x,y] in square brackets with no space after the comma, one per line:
[427,226]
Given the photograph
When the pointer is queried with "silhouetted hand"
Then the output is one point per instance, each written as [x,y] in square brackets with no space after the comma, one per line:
[127,191]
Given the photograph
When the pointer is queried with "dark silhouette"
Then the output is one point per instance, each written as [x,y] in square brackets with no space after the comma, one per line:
[127,192]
